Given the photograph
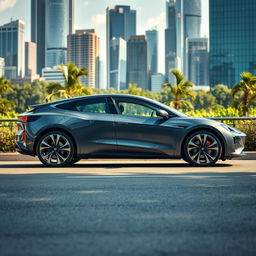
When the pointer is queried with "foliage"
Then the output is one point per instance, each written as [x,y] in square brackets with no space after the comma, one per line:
[204,100]
[222,95]
[180,91]
[72,86]
[246,91]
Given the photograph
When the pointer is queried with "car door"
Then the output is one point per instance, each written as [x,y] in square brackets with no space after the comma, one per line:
[140,132]
[92,125]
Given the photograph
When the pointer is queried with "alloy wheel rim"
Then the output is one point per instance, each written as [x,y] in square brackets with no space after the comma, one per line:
[55,149]
[203,149]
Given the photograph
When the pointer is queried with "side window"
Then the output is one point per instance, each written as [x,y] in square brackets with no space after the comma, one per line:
[98,105]
[135,109]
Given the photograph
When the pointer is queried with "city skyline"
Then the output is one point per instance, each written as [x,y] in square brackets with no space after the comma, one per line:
[96,18]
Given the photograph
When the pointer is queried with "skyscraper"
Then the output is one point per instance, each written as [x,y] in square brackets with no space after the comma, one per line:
[30,58]
[12,48]
[152,38]
[121,23]
[38,32]
[118,63]
[51,22]
[57,29]
[83,51]
[198,61]
[232,40]
[183,21]
[137,62]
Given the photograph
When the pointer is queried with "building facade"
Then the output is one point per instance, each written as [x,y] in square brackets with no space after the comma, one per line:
[183,21]
[53,75]
[156,82]
[152,38]
[137,62]
[2,66]
[51,22]
[198,61]
[83,51]
[121,23]
[30,58]
[12,48]
[232,40]
[118,53]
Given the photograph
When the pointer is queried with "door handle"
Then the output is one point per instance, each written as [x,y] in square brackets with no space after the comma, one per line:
[122,123]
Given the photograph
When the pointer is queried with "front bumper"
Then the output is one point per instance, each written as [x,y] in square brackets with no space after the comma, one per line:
[236,146]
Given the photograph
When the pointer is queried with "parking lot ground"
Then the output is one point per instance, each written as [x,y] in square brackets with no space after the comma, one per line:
[128,207]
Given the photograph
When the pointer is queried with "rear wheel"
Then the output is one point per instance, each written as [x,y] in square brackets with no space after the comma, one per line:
[55,149]
[202,148]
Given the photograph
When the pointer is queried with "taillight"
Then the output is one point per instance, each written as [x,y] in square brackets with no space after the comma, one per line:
[24,119]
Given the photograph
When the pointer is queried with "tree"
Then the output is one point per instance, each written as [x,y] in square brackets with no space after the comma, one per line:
[5,86]
[181,91]
[72,86]
[204,100]
[244,93]
[222,94]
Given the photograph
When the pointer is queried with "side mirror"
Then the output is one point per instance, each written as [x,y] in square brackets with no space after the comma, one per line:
[162,113]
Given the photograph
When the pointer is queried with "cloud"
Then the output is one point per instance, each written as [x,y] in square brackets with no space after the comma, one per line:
[158,21]
[99,19]
[6,4]
[85,3]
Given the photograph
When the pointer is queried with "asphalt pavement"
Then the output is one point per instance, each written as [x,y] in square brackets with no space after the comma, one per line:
[123,207]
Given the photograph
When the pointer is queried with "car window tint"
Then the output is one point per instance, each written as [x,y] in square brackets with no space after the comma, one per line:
[135,109]
[88,106]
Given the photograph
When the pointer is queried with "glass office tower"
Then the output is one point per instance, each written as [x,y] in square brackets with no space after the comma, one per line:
[121,23]
[12,48]
[57,28]
[152,38]
[232,40]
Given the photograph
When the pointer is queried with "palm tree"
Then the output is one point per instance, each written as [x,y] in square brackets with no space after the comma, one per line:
[182,89]
[246,90]
[72,86]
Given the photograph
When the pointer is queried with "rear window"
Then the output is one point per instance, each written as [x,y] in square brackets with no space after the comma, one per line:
[98,105]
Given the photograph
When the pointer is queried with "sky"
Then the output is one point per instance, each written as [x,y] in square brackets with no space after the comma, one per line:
[91,14]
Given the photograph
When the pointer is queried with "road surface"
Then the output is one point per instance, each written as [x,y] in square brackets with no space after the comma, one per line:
[122,207]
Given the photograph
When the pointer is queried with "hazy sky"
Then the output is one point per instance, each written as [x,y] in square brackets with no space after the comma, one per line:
[91,14]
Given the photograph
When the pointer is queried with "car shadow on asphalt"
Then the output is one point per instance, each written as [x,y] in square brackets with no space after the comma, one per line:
[110,165]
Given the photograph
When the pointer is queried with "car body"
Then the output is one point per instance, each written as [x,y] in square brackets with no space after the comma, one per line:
[122,126]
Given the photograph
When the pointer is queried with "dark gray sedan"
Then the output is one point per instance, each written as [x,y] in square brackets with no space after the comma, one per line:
[122,126]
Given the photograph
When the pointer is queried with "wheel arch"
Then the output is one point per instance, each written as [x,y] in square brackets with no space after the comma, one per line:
[49,129]
[209,129]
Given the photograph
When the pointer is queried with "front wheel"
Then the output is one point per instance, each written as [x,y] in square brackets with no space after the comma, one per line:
[202,148]
[55,149]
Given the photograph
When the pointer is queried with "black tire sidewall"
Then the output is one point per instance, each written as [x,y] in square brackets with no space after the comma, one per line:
[72,149]
[185,146]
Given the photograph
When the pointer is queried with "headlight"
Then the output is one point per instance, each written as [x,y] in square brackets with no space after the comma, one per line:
[230,129]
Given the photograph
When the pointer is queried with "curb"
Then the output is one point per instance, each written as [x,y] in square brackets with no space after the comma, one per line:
[250,155]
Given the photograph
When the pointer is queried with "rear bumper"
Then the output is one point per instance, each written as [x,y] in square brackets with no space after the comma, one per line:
[20,148]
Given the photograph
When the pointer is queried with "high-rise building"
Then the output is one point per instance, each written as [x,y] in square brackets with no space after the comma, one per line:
[30,58]
[156,82]
[71,17]
[57,29]
[51,22]
[38,31]
[152,38]
[121,23]
[198,61]
[118,63]
[83,51]
[183,21]
[2,65]
[53,75]
[232,40]
[137,62]
[12,47]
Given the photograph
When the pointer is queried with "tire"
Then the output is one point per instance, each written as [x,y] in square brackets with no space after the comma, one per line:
[74,160]
[55,149]
[202,148]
